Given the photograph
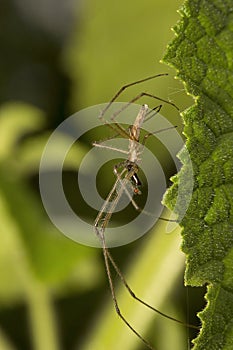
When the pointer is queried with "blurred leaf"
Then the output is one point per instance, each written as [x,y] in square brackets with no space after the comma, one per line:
[29,155]
[54,258]
[5,343]
[34,257]
[16,120]
[19,283]
[11,256]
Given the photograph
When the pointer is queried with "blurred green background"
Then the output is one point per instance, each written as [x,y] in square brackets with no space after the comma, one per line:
[56,58]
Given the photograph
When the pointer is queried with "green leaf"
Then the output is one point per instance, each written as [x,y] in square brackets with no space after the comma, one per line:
[5,344]
[202,53]
[34,257]
[63,260]
[16,120]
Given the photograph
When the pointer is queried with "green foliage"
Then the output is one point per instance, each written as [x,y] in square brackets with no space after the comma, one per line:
[119,43]
[34,257]
[202,54]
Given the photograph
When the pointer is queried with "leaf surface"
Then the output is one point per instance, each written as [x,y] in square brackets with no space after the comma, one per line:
[202,54]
